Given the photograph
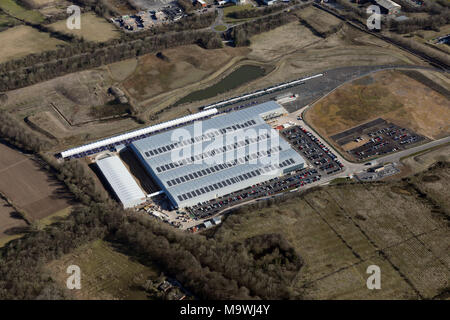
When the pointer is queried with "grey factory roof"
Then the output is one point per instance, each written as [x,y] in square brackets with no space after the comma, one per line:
[121,181]
[218,156]
[388,4]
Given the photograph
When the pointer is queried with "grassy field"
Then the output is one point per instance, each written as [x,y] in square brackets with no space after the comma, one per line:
[340,230]
[231,9]
[220,28]
[421,161]
[391,95]
[29,186]
[106,273]
[121,7]
[435,186]
[55,217]
[154,75]
[121,70]
[20,41]
[93,28]
[19,12]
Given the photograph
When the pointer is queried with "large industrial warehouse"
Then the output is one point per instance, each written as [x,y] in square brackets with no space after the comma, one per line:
[245,161]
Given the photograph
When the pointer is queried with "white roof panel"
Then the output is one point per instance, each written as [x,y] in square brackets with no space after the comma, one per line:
[121,181]
[136,133]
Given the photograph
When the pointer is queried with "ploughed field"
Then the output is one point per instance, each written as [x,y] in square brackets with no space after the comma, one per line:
[30,187]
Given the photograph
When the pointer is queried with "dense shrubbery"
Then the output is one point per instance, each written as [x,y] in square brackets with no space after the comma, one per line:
[82,55]
[188,5]
[433,22]
[253,13]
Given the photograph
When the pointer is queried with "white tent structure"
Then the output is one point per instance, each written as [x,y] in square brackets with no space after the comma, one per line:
[121,181]
[105,143]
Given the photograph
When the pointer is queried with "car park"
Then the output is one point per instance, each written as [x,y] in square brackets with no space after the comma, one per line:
[307,145]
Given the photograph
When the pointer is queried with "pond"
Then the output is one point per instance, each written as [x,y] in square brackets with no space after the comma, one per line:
[238,77]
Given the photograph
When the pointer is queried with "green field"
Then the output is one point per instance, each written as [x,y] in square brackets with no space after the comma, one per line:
[17,11]
[231,9]
[93,28]
[22,40]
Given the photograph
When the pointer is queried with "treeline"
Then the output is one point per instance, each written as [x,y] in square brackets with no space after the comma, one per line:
[100,7]
[253,13]
[17,134]
[261,267]
[241,33]
[432,53]
[40,67]
[351,12]
[434,22]
[211,269]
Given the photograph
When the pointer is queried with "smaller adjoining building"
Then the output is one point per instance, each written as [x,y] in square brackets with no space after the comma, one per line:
[269,2]
[236,2]
[121,181]
[389,7]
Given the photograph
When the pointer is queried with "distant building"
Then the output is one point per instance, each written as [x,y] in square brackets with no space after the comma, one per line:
[269,2]
[388,6]
[217,220]
[118,94]
[377,169]
[237,2]
[207,224]
[165,286]
[202,3]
